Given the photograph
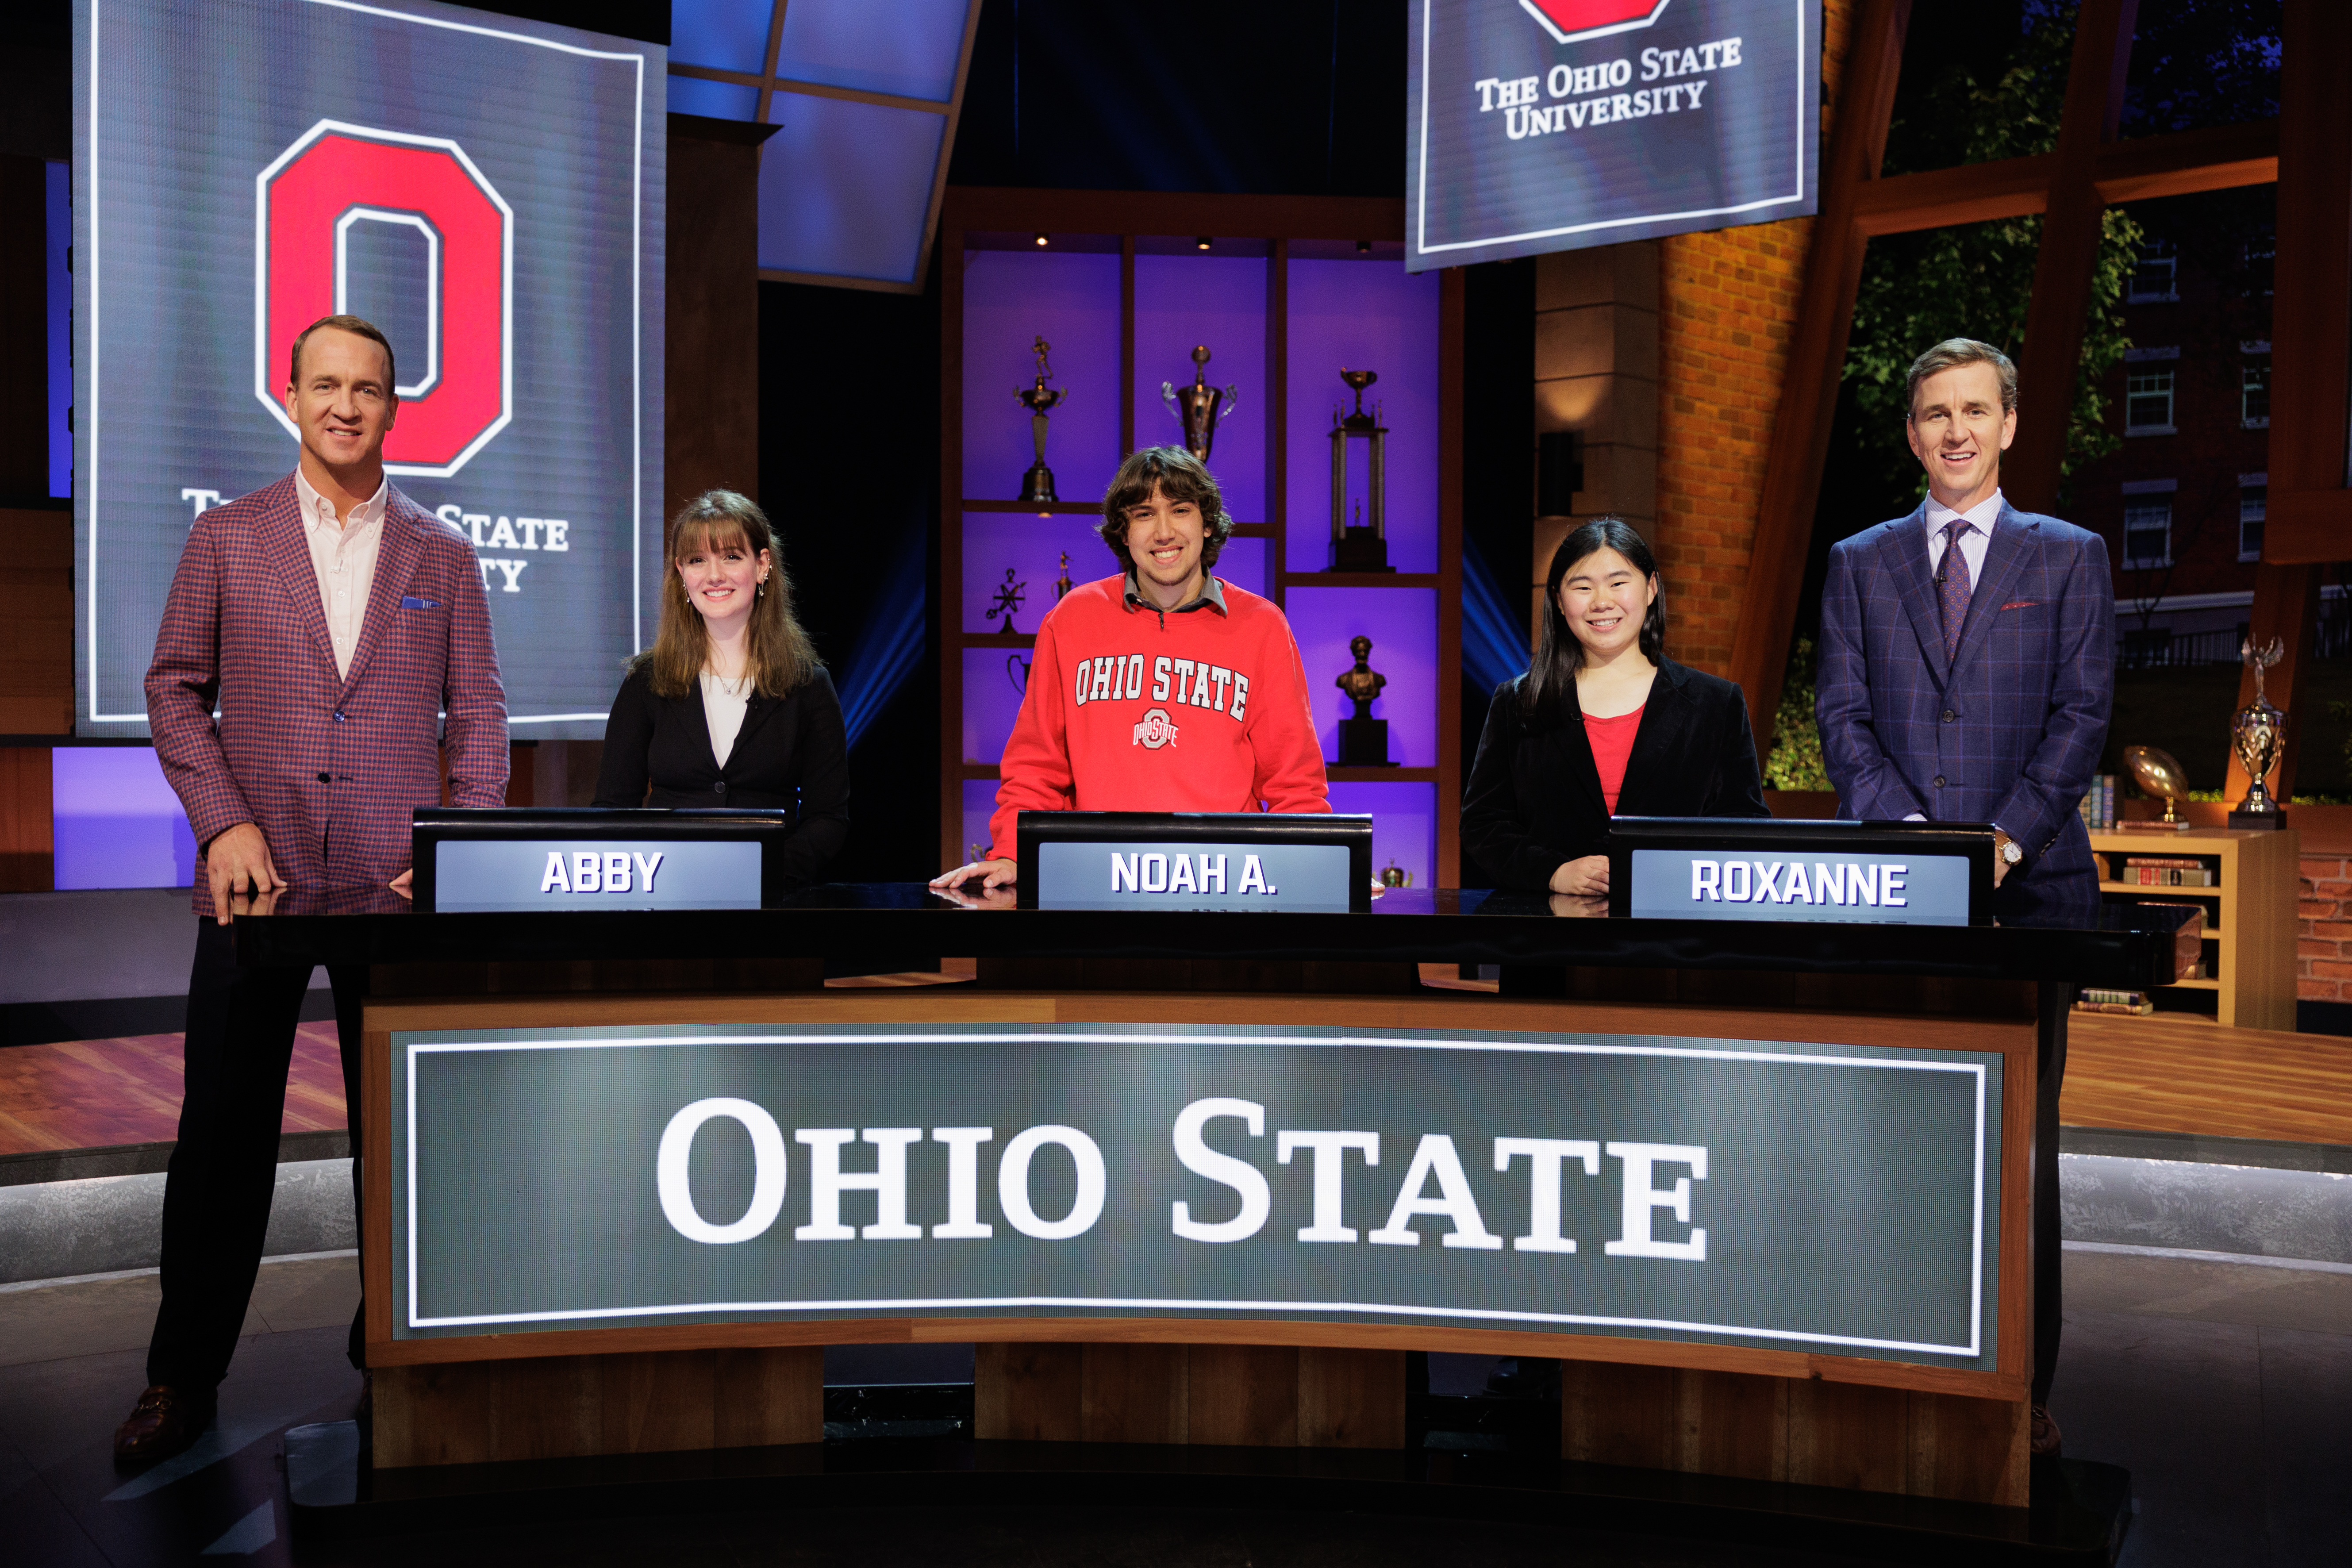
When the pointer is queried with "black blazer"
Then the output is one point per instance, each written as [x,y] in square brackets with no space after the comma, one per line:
[1534,798]
[791,752]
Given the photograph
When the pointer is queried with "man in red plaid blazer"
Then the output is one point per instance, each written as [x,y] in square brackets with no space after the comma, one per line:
[330,621]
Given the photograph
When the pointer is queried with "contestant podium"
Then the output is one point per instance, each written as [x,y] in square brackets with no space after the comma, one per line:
[1203,1178]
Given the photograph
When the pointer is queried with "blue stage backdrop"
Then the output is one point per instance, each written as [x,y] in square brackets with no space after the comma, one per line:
[1536,125]
[489,191]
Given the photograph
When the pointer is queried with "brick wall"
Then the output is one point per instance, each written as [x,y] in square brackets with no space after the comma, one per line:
[2323,965]
[1728,305]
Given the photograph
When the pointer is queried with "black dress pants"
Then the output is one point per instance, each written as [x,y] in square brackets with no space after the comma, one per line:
[224,1170]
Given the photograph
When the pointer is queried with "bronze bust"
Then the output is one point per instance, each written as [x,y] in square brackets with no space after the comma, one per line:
[1362,683]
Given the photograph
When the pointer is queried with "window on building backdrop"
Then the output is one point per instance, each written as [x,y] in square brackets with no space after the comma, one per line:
[2149,389]
[2147,533]
[2254,385]
[2253,503]
[2157,274]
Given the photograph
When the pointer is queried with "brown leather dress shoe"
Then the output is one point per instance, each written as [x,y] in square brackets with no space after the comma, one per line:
[165,1421]
[2045,1439]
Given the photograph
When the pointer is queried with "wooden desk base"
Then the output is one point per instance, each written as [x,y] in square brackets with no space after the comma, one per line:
[1813,1425]
[1268,1397]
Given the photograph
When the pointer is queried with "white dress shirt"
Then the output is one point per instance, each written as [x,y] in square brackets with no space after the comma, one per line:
[724,703]
[1974,542]
[343,554]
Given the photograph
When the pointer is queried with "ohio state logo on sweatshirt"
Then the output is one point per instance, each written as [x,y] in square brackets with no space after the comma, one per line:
[1198,684]
[1155,731]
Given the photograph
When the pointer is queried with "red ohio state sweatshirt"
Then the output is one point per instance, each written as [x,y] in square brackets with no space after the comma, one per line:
[1129,709]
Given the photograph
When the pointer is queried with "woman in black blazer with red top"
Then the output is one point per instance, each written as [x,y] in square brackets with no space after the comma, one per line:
[731,707]
[1602,724]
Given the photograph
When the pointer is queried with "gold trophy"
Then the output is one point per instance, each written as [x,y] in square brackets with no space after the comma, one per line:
[1361,545]
[1199,408]
[2158,774]
[2257,736]
[1037,484]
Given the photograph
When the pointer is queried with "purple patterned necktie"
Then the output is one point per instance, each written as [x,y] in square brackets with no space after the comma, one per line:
[1953,587]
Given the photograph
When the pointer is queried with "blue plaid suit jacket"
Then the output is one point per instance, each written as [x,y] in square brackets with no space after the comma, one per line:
[327,766]
[2008,731]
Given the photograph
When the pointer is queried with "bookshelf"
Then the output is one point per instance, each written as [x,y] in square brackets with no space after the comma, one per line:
[1286,292]
[2250,913]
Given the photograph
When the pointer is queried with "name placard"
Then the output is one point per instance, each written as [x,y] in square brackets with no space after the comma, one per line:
[532,860]
[1143,875]
[1689,884]
[1838,1198]
[1759,868]
[474,875]
[1304,863]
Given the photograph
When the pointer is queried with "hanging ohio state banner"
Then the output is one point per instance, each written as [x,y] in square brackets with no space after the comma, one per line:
[488,191]
[1536,125]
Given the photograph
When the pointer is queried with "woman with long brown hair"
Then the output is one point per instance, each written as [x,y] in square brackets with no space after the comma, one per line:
[732,706]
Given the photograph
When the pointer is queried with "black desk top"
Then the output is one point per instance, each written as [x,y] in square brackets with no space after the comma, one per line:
[2124,945]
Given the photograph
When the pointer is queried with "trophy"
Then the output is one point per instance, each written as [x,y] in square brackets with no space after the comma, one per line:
[1363,739]
[1009,595]
[1361,546]
[1200,407]
[1037,484]
[1061,583]
[1395,876]
[2257,736]
[1017,670]
[2158,774]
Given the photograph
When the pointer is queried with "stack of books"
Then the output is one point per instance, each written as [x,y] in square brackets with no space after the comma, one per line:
[2098,807]
[2094,1000]
[2166,871]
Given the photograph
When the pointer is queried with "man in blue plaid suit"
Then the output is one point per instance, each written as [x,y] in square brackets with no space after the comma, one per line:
[1967,671]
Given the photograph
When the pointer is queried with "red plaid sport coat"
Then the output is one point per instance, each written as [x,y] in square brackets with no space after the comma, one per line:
[326,767]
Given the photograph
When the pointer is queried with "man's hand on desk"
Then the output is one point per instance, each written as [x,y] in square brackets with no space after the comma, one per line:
[236,859]
[1999,856]
[401,884]
[992,874]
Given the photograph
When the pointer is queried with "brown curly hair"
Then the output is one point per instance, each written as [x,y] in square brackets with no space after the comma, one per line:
[1177,474]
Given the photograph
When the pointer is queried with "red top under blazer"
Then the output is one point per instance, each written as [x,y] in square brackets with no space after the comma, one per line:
[327,766]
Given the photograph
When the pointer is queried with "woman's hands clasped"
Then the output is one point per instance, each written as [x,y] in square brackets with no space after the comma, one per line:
[1584,878]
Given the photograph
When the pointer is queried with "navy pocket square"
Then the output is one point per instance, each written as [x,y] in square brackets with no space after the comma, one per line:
[411,602]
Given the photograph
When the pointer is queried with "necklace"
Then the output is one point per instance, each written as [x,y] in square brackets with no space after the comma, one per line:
[735,688]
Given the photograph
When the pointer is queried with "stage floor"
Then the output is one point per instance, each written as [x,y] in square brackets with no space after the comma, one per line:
[2226,1389]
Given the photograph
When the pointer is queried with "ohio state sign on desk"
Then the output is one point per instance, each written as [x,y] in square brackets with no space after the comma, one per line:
[1837,1199]
[489,191]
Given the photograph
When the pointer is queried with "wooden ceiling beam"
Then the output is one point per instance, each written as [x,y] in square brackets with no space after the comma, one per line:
[2183,163]
[2311,358]
[1816,363]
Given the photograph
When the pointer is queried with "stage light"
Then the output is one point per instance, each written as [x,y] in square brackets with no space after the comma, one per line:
[1041,239]
[1201,243]
[1363,247]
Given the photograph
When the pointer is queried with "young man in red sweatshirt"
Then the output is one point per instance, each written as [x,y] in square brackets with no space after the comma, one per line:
[1160,689]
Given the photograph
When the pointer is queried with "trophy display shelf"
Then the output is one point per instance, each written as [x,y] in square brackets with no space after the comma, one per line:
[2248,946]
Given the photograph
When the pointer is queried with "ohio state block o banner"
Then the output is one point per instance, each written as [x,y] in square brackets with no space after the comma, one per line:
[488,191]
[338,175]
